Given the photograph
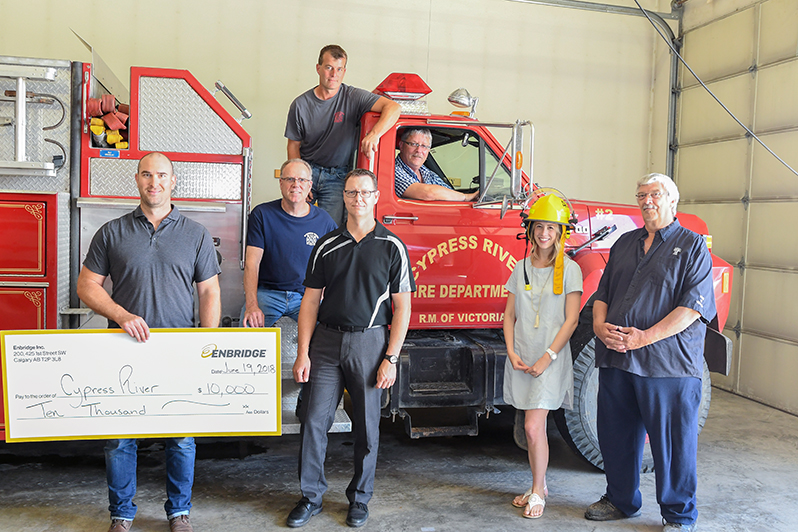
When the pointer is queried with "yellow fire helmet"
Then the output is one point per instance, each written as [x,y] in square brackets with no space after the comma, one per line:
[553,209]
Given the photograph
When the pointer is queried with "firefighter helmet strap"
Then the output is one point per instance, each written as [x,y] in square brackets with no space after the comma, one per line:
[559,264]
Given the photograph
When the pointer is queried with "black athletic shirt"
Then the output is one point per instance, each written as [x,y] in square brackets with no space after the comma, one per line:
[359,278]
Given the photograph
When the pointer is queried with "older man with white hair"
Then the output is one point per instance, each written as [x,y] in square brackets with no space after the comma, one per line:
[650,315]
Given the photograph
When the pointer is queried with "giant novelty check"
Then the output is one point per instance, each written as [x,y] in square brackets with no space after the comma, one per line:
[93,384]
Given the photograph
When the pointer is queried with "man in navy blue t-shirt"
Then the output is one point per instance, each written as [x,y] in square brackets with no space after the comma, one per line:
[283,232]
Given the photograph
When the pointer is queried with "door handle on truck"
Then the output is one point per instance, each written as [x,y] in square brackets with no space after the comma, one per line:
[390,218]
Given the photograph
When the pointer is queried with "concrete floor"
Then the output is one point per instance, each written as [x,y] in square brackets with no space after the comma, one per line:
[748,472]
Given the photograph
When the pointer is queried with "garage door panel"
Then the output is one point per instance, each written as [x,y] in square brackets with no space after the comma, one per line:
[701,118]
[726,224]
[767,372]
[713,171]
[771,178]
[720,49]
[779,40]
[770,302]
[773,240]
[776,99]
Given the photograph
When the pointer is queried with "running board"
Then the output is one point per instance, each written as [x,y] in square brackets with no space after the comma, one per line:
[435,422]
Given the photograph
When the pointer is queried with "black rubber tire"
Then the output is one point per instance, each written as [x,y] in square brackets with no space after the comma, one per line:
[578,426]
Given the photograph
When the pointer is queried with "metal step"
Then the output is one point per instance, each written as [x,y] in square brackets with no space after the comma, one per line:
[435,422]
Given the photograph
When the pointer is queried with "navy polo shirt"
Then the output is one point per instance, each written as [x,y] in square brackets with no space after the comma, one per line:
[640,289]
[358,278]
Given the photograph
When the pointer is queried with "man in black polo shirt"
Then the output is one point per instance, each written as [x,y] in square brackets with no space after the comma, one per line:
[361,268]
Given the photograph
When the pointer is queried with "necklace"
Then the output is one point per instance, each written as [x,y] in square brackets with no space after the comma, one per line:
[540,294]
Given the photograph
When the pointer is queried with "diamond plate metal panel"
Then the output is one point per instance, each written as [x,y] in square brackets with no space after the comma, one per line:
[288,343]
[213,181]
[164,104]
[62,297]
[39,115]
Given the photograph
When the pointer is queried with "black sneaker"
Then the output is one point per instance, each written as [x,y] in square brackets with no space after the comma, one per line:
[604,510]
[357,515]
[302,513]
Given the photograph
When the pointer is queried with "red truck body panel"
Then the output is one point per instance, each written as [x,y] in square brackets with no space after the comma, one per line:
[462,255]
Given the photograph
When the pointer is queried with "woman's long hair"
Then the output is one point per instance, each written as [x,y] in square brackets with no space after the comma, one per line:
[557,245]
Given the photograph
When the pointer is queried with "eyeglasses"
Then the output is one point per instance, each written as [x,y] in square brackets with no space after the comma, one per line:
[365,194]
[417,145]
[641,196]
[301,180]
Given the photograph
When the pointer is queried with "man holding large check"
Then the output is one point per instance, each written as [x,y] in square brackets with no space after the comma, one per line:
[154,256]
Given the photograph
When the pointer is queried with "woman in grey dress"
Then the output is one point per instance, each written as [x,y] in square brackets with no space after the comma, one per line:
[542,312]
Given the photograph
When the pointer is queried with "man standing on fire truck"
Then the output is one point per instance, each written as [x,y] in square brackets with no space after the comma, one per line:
[652,303]
[322,124]
[361,268]
[154,256]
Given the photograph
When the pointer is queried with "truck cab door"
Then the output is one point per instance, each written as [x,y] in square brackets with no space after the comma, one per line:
[461,254]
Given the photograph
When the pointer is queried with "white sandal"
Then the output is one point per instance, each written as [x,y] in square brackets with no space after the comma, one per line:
[527,495]
[534,500]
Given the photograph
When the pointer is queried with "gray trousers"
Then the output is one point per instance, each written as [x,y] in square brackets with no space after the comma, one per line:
[341,360]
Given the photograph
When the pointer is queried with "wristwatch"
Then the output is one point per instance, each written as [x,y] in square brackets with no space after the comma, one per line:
[393,359]
[552,354]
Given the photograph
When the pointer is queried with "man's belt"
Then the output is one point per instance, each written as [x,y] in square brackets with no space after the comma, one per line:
[348,328]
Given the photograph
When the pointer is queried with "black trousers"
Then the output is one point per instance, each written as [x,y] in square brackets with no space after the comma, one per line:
[341,360]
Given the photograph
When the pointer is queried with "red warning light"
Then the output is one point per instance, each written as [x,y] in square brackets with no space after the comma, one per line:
[400,86]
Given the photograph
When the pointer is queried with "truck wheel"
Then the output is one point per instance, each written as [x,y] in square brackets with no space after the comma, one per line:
[578,426]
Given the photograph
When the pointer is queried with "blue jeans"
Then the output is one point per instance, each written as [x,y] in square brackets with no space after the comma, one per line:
[328,190]
[275,304]
[120,470]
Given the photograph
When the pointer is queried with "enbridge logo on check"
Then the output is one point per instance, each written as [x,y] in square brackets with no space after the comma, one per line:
[213,351]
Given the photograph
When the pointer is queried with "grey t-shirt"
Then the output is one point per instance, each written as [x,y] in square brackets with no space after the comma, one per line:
[326,129]
[153,271]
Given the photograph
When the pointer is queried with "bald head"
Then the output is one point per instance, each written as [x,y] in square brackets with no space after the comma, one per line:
[159,156]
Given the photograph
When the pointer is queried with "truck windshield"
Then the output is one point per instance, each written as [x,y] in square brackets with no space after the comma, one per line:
[462,158]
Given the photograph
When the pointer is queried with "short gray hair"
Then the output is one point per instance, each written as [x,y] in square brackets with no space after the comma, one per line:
[297,161]
[665,181]
[417,130]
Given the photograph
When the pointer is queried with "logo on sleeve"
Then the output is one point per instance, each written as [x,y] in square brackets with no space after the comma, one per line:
[339,117]
[311,238]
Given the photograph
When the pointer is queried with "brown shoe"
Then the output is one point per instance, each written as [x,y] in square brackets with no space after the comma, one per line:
[120,525]
[180,524]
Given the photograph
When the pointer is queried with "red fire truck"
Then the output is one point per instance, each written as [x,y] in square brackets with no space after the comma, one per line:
[452,364]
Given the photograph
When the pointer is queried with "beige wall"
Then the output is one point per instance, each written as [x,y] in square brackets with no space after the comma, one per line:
[592,83]
[746,196]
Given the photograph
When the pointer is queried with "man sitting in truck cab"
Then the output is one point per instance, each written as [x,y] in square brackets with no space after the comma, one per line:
[416,181]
